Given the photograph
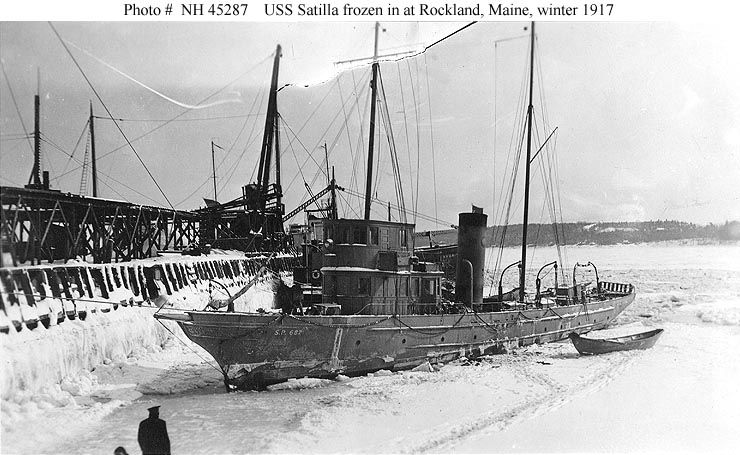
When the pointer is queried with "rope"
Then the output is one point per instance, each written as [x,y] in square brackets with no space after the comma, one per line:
[431,128]
[224,183]
[219,369]
[340,326]
[436,332]
[494,329]
[74,149]
[151,131]
[110,115]
[15,103]
[418,133]
[406,133]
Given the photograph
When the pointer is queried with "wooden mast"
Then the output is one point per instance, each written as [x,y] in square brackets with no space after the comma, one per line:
[213,166]
[36,172]
[371,142]
[263,176]
[92,153]
[523,269]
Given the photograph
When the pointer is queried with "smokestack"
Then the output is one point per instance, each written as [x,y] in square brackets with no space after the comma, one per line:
[470,234]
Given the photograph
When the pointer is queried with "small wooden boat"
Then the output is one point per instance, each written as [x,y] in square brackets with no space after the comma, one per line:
[643,340]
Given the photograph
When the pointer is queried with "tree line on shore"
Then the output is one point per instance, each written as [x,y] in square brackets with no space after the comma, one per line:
[600,233]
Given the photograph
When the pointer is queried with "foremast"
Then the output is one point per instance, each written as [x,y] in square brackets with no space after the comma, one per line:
[371,140]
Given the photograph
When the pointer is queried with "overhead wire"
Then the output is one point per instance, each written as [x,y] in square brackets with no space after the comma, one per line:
[406,132]
[394,206]
[398,183]
[56,147]
[15,104]
[418,131]
[186,111]
[431,128]
[251,137]
[110,114]
[77,143]
[221,117]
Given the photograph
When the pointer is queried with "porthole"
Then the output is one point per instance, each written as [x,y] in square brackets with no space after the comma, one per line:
[357,342]
[403,341]
[475,337]
[443,339]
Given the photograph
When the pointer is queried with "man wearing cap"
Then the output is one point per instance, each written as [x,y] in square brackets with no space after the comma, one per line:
[153,438]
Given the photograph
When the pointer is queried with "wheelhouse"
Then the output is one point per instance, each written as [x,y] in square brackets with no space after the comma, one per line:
[367,267]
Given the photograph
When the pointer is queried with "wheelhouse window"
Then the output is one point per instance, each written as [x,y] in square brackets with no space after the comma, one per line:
[344,233]
[402,238]
[373,230]
[359,235]
[430,287]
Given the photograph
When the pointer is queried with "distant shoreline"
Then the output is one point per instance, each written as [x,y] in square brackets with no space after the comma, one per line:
[601,233]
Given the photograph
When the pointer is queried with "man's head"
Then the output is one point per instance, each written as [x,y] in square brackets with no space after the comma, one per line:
[154,411]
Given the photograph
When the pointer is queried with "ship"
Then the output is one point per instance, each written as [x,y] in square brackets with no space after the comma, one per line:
[364,301]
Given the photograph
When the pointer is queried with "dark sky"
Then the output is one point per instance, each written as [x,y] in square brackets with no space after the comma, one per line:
[647,114]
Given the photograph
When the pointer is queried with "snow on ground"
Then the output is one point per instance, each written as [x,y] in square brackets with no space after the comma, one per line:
[59,381]
[679,396]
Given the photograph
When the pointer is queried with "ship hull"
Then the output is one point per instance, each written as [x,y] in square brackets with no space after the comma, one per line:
[256,350]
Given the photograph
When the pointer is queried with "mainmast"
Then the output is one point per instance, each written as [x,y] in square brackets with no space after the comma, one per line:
[526,177]
[371,141]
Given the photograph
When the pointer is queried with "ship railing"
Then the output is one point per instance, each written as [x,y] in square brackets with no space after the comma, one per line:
[612,288]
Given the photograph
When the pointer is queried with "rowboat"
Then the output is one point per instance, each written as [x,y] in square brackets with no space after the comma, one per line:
[589,346]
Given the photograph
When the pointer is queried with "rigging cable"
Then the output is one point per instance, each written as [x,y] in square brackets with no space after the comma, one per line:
[346,121]
[155,120]
[431,128]
[406,131]
[418,131]
[15,103]
[251,137]
[398,183]
[510,183]
[74,149]
[186,111]
[361,117]
[420,215]
[111,115]
[46,140]
[321,138]
[141,84]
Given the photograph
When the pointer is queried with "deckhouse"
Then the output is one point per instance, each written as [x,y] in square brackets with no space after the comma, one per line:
[368,267]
